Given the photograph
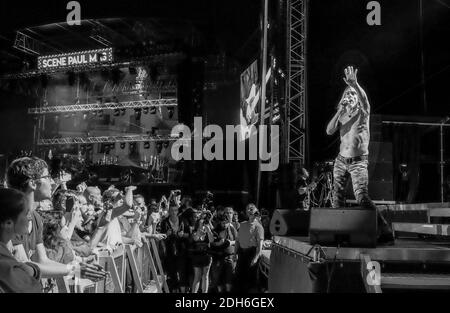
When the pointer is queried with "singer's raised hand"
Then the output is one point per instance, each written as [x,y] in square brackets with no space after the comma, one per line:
[351,76]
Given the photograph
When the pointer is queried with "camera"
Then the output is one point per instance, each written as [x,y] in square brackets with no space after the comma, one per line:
[208,201]
[206,216]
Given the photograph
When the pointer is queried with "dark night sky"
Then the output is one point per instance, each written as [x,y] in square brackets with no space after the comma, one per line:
[388,58]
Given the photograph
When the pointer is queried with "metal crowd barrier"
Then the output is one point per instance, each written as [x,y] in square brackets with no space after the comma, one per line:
[144,268]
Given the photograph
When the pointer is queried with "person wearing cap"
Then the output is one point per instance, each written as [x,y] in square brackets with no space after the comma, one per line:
[249,245]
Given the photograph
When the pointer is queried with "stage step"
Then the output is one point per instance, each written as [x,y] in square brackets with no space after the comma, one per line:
[422,229]
[415,281]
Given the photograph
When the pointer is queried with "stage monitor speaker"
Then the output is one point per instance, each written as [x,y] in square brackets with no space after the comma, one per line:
[289,223]
[344,226]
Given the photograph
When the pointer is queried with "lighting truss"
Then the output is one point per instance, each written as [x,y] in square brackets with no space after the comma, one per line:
[105,139]
[104,106]
[28,44]
[296,80]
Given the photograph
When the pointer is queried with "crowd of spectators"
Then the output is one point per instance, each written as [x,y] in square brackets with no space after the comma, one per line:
[49,231]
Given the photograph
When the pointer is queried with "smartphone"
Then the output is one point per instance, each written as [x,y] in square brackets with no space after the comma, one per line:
[70,202]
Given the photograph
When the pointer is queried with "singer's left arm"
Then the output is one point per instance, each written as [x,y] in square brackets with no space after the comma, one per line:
[352,80]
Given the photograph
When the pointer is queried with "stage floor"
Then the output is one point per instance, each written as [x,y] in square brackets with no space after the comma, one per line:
[411,250]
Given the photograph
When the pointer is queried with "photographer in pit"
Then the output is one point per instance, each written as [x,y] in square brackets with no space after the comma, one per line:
[249,247]
[223,252]
[201,239]
[175,254]
[188,220]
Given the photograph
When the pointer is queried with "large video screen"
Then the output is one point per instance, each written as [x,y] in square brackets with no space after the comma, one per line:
[250,101]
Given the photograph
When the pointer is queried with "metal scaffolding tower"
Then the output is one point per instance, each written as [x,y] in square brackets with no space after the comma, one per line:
[296,114]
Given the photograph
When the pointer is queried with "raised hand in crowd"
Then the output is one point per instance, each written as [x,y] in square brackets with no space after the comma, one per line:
[81,187]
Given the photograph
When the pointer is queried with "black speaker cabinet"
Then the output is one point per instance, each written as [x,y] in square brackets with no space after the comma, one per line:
[355,227]
[289,223]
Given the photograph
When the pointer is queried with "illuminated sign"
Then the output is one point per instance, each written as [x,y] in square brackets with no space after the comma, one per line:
[75,59]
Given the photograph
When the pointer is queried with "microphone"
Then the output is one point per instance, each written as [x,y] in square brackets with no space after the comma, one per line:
[345,102]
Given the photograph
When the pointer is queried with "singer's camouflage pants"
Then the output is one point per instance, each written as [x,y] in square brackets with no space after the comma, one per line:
[360,180]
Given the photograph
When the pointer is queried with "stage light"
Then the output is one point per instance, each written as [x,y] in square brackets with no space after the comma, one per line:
[122,145]
[154,129]
[165,144]
[159,147]
[89,148]
[66,115]
[112,146]
[100,113]
[137,113]
[116,112]
[132,147]
[171,112]
[94,113]
[123,111]
[145,110]
[147,145]
[153,110]
[85,115]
